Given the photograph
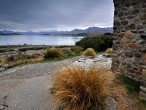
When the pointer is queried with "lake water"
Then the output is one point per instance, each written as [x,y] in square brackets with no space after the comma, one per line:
[38,39]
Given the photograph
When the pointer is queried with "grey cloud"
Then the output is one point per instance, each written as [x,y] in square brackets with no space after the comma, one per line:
[39,14]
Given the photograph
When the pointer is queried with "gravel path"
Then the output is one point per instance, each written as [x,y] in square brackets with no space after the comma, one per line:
[12,80]
[37,69]
[32,94]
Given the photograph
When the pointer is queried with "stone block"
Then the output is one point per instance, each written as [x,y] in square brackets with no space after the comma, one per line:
[144,62]
[2,69]
[129,54]
[144,17]
[134,12]
[133,46]
[128,34]
[130,27]
[0,65]
[144,73]
[125,40]
[143,89]
[143,36]
[130,17]
[125,22]
[111,103]
[142,95]
[144,66]
[144,56]
[137,54]
[121,35]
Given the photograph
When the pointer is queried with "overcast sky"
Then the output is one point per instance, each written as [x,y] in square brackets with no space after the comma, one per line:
[39,15]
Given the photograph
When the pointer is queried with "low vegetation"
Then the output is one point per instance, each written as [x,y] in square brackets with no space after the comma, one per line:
[78,89]
[98,43]
[53,53]
[15,60]
[77,49]
[20,56]
[89,52]
[131,85]
[1,59]
[109,51]
[62,53]
[132,89]
[11,58]
[74,51]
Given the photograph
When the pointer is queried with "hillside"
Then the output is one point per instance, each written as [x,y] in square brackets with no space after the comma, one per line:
[90,30]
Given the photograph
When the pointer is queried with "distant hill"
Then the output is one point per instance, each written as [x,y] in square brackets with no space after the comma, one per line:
[93,30]
[29,33]
[6,32]
[90,30]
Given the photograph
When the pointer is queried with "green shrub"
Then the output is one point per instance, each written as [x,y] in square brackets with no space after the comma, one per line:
[78,89]
[89,52]
[73,51]
[69,53]
[53,53]
[99,43]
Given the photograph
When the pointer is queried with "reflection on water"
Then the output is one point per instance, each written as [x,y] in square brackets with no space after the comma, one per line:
[38,39]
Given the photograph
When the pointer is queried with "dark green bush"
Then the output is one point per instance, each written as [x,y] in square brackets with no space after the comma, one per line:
[98,43]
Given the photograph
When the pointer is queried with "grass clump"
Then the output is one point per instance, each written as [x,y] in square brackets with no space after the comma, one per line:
[10,58]
[53,53]
[109,51]
[78,89]
[1,59]
[89,52]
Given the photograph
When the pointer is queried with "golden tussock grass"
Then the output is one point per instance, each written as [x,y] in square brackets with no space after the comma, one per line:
[109,50]
[78,89]
[89,52]
[1,59]
[53,53]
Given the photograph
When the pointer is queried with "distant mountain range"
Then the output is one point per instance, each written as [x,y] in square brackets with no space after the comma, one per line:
[90,30]
[7,32]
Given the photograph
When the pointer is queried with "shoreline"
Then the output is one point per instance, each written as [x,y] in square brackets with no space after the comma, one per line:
[8,48]
[24,45]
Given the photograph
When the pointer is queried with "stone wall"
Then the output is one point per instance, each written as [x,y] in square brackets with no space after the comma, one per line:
[129,45]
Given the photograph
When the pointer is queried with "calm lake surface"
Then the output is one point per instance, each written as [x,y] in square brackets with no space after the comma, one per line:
[38,39]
